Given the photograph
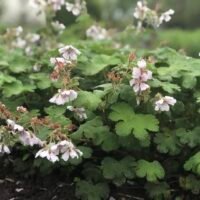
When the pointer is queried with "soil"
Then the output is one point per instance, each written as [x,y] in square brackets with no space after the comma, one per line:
[57,186]
[48,188]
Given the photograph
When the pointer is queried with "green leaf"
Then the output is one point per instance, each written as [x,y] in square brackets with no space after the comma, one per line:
[4,78]
[96,131]
[56,114]
[118,171]
[98,63]
[191,138]
[18,62]
[179,66]
[16,88]
[193,164]
[190,183]
[129,122]
[25,118]
[87,151]
[167,142]
[90,191]
[41,79]
[158,191]
[189,81]
[92,172]
[166,86]
[111,142]
[87,100]
[55,110]
[151,170]
[43,132]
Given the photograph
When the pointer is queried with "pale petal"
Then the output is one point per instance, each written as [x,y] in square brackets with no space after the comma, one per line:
[65,156]
[142,63]
[143,86]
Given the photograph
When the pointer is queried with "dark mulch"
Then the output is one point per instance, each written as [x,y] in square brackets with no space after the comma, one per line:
[57,185]
[47,188]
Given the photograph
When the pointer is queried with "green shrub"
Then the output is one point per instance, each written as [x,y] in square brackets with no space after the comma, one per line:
[123,117]
[181,39]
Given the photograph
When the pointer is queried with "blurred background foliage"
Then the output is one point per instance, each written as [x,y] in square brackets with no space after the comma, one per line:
[120,11]
[182,32]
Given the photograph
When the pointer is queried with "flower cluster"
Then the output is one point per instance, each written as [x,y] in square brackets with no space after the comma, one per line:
[96,33]
[65,148]
[80,112]
[58,27]
[26,137]
[62,70]
[140,76]
[166,16]
[21,40]
[76,7]
[68,55]
[21,109]
[146,15]
[56,4]
[164,103]
[63,96]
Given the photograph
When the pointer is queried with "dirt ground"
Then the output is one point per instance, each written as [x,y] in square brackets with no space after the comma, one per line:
[48,188]
[58,186]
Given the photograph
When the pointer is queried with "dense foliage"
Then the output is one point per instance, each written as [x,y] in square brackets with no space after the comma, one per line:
[124,116]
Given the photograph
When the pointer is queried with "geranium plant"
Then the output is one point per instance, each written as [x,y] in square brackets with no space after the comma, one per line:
[119,116]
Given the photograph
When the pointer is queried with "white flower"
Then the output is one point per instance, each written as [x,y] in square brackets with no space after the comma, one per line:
[26,137]
[140,75]
[18,31]
[71,108]
[69,52]
[139,86]
[33,37]
[19,43]
[21,109]
[59,27]
[29,139]
[10,123]
[166,16]
[56,4]
[74,8]
[29,51]
[63,96]
[15,127]
[4,149]
[163,104]
[58,61]
[68,150]
[96,33]
[51,153]
[142,63]
[37,67]
[140,11]
[18,128]
[80,112]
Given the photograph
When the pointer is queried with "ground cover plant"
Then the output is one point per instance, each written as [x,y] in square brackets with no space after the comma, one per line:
[115,120]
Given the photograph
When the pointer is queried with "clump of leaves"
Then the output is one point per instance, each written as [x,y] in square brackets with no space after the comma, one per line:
[123,138]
